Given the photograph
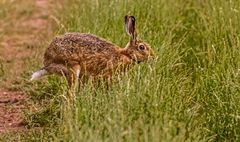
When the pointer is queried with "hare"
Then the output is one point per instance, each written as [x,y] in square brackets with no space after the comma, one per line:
[78,55]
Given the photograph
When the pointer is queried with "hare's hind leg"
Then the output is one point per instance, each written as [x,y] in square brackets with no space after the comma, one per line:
[71,73]
[74,72]
[58,69]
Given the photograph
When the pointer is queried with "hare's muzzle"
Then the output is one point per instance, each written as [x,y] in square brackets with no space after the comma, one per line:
[151,54]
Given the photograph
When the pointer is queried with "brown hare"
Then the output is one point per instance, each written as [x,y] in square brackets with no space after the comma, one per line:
[78,55]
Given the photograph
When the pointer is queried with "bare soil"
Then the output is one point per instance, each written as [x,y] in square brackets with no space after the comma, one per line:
[29,29]
[11,106]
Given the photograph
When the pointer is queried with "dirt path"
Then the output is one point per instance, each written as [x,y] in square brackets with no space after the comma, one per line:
[11,105]
[20,43]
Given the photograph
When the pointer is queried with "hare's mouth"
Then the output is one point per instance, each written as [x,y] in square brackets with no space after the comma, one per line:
[136,61]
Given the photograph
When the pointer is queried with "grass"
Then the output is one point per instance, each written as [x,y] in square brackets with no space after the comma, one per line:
[12,10]
[191,92]
[13,14]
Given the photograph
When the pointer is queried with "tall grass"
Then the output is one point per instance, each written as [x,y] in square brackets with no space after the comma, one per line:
[191,92]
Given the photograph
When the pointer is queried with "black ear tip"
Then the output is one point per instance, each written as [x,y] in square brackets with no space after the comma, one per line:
[133,17]
[126,18]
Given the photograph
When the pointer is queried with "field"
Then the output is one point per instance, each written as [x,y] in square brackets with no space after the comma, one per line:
[190,92]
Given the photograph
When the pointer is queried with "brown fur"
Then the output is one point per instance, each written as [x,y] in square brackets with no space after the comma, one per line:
[77,55]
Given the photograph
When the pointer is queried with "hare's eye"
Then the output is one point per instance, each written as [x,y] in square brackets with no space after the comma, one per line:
[142,47]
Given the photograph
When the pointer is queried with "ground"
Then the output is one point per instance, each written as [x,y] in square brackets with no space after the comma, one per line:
[11,106]
[24,31]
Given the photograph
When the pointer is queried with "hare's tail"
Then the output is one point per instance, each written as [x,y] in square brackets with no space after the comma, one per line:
[38,74]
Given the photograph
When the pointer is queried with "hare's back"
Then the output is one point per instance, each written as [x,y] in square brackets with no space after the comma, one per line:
[77,46]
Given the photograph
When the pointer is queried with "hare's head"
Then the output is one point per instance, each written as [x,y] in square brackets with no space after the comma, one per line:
[137,49]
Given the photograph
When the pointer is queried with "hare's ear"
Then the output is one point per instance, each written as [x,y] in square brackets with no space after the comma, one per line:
[130,28]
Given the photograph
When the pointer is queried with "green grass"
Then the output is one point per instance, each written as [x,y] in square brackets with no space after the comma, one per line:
[191,92]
